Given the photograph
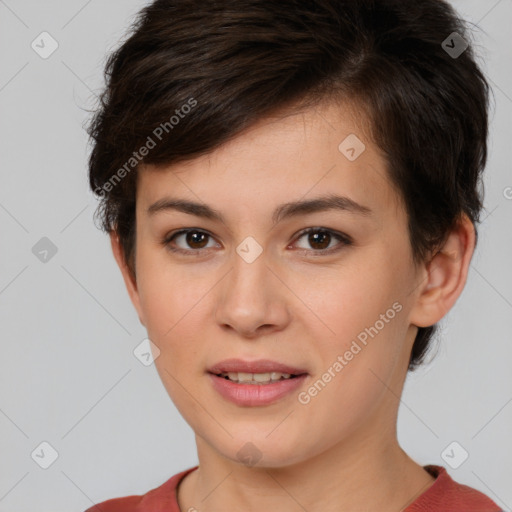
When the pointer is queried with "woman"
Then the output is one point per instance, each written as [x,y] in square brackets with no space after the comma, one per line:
[291,193]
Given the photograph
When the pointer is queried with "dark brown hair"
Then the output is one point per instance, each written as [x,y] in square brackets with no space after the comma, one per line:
[194,73]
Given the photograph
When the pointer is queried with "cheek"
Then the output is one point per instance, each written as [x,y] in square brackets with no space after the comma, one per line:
[170,295]
[366,316]
[354,379]
[350,298]
[173,303]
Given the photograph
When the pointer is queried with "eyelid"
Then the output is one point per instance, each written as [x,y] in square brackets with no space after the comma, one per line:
[344,240]
[167,239]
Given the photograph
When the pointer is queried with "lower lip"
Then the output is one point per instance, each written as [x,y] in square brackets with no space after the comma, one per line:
[255,394]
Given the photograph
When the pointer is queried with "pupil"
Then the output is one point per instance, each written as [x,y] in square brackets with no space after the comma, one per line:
[191,238]
[313,239]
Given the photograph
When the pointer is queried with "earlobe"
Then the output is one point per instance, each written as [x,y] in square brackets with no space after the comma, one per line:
[129,280]
[444,276]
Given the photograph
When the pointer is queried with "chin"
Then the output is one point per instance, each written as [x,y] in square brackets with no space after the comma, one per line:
[261,451]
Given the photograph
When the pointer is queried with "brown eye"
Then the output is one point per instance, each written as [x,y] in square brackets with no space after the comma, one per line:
[196,239]
[320,240]
[190,241]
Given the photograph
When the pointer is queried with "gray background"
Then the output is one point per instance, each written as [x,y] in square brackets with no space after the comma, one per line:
[68,375]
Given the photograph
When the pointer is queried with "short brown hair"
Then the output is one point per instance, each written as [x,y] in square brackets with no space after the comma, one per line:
[239,61]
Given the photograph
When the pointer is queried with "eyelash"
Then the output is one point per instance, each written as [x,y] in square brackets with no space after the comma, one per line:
[344,239]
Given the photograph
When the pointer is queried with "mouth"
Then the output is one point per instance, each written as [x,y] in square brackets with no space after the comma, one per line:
[262,371]
[255,383]
[256,378]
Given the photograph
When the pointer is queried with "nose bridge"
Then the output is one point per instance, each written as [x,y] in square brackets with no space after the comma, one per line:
[247,287]
[251,294]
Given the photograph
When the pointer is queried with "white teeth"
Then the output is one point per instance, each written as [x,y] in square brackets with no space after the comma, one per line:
[255,378]
[261,377]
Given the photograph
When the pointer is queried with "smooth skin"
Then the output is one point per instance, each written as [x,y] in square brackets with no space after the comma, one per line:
[296,304]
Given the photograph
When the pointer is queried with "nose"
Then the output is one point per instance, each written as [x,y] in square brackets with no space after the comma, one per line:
[253,299]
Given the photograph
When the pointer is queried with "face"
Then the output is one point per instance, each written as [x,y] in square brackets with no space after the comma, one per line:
[330,290]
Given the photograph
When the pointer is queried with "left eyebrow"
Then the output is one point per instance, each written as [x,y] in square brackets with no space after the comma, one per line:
[283,211]
[319,204]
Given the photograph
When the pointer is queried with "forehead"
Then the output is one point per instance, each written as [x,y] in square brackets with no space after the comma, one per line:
[284,157]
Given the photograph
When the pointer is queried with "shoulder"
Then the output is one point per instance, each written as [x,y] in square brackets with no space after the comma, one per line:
[447,495]
[162,498]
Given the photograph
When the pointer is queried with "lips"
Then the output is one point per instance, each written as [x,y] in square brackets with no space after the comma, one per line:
[258,366]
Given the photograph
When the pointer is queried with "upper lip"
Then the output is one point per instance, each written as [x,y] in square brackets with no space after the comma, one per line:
[258,366]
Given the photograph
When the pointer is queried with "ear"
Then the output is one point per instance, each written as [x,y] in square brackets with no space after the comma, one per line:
[129,279]
[443,278]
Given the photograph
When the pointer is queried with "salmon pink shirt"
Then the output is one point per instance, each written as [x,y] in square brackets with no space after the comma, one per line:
[444,495]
